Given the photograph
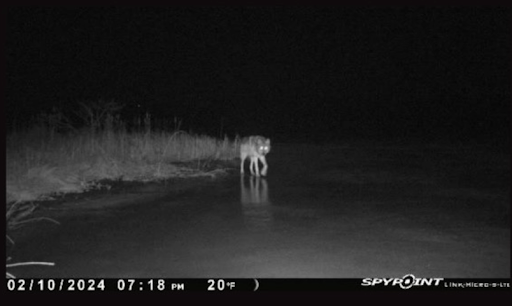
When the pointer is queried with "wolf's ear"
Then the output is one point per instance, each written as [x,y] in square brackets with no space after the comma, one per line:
[268,141]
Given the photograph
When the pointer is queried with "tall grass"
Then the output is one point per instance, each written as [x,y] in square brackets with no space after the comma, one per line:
[41,160]
[53,157]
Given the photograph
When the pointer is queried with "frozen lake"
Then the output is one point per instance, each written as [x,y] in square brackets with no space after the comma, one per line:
[322,212]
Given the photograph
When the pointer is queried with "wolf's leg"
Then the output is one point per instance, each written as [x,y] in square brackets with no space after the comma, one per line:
[265,165]
[254,163]
[242,157]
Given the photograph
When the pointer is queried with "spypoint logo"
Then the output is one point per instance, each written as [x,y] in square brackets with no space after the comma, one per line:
[405,282]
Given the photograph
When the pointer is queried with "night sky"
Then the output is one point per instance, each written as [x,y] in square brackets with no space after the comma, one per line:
[289,73]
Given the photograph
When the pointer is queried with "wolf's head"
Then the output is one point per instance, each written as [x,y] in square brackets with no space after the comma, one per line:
[264,146]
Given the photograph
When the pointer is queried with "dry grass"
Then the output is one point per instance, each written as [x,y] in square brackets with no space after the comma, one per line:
[29,263]
[18,214]
[41,162]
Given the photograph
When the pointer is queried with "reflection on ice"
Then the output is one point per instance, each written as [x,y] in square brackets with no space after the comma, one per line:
[256,206]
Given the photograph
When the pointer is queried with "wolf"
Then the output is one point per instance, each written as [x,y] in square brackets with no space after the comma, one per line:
[255,147]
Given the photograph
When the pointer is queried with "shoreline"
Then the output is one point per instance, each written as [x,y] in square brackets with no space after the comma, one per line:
[179,170]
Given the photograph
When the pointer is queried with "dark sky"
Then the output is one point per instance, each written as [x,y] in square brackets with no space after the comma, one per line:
[288,73]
